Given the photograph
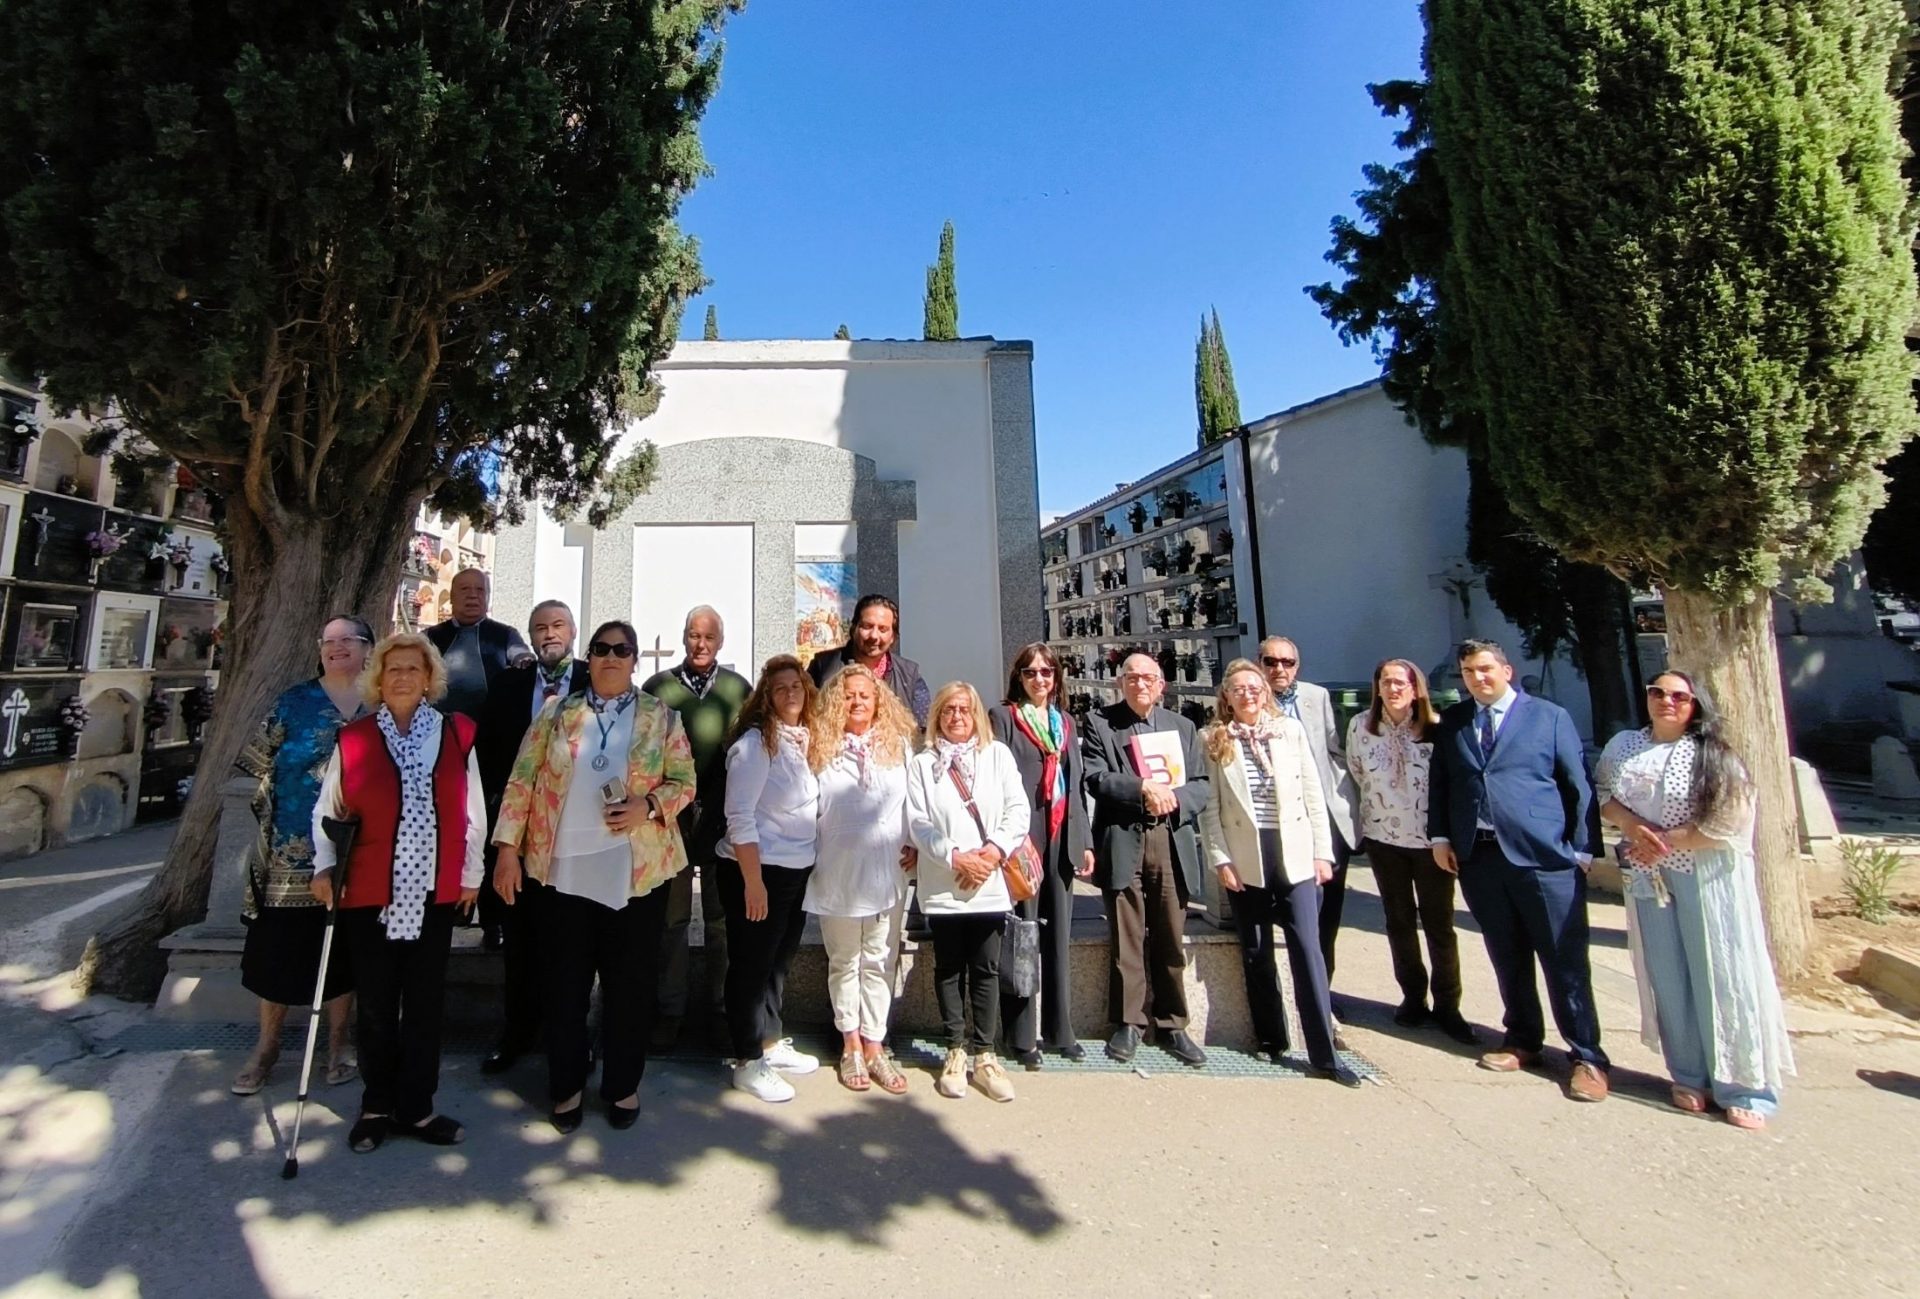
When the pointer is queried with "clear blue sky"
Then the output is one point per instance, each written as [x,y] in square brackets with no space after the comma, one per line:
[1111,169]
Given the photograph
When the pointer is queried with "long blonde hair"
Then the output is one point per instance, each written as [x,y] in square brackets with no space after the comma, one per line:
[891,733]
[1216,737]
[982,728]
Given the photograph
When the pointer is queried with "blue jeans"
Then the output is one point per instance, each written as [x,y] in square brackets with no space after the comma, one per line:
[1674,939]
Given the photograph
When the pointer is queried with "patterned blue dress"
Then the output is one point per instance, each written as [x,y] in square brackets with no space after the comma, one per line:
[285,924]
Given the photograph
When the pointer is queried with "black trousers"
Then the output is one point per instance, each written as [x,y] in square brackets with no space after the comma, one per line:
[1530,913]
[759,952]
[1051,1023]
[522,990]
[1416,894]
[1333,900]
[1146,941]
[581,938]
[402,989]
[1296,908]
[676,953]
[966,972]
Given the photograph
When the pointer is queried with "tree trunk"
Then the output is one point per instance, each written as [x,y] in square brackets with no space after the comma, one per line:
[283,593]
[1731,652]
[1593,605]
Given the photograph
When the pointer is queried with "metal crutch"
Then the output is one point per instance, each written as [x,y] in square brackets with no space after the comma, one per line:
[342,834]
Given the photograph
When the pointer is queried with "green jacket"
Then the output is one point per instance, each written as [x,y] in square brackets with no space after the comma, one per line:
[708,722]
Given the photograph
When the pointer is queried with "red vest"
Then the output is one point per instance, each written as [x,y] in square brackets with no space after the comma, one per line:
[370,790]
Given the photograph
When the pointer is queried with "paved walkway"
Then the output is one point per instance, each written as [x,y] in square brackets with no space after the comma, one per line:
[139,1174]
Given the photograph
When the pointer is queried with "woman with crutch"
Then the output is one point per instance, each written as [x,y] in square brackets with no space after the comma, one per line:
[408,776]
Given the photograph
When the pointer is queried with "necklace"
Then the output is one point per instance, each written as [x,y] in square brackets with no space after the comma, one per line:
[600,719]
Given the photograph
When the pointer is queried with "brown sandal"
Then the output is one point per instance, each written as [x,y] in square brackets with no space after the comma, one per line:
[853,1073]
[1690,1099]
[253,1075]
[887,1074]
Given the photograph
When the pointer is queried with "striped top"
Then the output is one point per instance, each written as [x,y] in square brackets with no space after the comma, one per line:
[1266,804]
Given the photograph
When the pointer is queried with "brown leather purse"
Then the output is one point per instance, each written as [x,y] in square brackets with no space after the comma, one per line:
[1023,867]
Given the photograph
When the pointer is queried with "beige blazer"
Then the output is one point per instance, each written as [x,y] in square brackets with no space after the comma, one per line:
[1226,822]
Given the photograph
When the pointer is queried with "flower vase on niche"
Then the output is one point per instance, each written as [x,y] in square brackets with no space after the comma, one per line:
[73,720]
[220,566]
[180,556]
[102,542]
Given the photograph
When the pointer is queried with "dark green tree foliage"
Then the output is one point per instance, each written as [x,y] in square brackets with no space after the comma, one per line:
[843,333]
[1892,546]
[339,259]
[1394,260]
[1684,255]
[941,305]
[1215,396]
[712,331]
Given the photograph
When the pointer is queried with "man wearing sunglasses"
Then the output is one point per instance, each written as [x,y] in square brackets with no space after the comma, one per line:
[1507,809]
[513,701]
[1312,707]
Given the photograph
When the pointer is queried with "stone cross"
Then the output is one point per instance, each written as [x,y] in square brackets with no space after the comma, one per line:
[658,654]
[42,522]
[15,710]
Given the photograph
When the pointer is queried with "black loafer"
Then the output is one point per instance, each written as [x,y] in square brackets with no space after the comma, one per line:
[1456,1027]
[500,1059]
[1183,1048]
[1073,1052]
[1124,1042]
[1030,1059]
[1338,1073]
[565,1121]
[619,1118]
[1411,1014]
[367,1132]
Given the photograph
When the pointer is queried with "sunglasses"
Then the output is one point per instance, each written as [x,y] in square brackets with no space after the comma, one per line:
[600,650]
[1275,661]
[1036,672]
[1679,698]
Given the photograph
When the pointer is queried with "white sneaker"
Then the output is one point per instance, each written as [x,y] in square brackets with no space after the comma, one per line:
[757,1078]
[953,1075]
[783,1057]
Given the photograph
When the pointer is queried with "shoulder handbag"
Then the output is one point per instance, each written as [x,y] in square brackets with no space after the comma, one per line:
[1022,867]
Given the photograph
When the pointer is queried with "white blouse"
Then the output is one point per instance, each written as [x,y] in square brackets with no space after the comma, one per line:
[589,860]
[1391,771]
[941,826]
[857,866]
[773,801]
[1654,781]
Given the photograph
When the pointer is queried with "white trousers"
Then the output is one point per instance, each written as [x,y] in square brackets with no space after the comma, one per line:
[863,952]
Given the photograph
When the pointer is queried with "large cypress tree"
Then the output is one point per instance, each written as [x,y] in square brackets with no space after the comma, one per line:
[1394,259]
[1216,398]
[1684,252]
[940,307]
[339,260]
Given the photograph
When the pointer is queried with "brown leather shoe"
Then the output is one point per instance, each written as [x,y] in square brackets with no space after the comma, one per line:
[1506,1060]
[1588,1083]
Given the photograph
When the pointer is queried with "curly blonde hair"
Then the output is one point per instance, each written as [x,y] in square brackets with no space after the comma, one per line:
[891,733]
[1216,738]
[377,664]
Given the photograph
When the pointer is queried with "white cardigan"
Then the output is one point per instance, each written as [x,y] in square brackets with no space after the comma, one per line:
[941,826]
[1232,836]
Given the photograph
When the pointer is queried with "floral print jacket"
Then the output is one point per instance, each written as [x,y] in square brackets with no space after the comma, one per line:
[660,763]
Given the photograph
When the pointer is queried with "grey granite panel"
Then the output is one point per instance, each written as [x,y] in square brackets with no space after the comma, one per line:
[1016,484]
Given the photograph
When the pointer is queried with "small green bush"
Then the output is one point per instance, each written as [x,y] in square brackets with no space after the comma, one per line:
[1868,880]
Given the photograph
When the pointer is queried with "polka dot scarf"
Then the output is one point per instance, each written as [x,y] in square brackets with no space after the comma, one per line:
[414,843]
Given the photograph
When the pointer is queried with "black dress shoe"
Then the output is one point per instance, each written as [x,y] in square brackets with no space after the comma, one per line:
[1411,1014]
[1183,1048]
[1124,1042]
[1030,1059]
[565,1121]
[1268,1051]
[500,1059]
[619,1118]
[1455,1026]
[1074,1052]
[1338,1073]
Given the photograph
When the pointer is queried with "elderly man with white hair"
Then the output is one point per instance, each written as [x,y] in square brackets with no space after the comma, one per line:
[708,698]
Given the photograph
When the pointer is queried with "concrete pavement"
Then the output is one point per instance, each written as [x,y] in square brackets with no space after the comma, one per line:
[139,1174]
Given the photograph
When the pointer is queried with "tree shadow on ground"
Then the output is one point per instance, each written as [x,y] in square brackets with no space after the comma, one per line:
[1897,1081]
[180,1221]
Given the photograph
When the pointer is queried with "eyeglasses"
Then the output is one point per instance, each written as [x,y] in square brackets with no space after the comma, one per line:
[1276,661]
[1678,698]
[1394,683]
[1246,692]
[957,710]
[343,642]
[1142,678]
[600,650]
[1037,672]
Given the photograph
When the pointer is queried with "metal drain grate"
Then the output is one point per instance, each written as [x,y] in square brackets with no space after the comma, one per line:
[1222,1062]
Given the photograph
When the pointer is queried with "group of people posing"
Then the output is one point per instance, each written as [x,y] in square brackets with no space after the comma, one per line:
[580,810]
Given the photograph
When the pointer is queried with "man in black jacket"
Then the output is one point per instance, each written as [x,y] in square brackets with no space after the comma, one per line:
[1146,860]
[517,696]
[477,648]
[876,635]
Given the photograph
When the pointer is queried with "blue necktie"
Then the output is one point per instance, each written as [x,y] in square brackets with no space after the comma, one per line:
[1486,734]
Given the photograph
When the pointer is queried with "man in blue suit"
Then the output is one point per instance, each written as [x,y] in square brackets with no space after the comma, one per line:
[1507,813]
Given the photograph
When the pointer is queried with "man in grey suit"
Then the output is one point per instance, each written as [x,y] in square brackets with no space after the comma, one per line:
[1146,861]
[1312,707]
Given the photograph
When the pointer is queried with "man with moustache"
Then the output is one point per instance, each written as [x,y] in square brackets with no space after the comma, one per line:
[515,698]
[708,698]
[873,644]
